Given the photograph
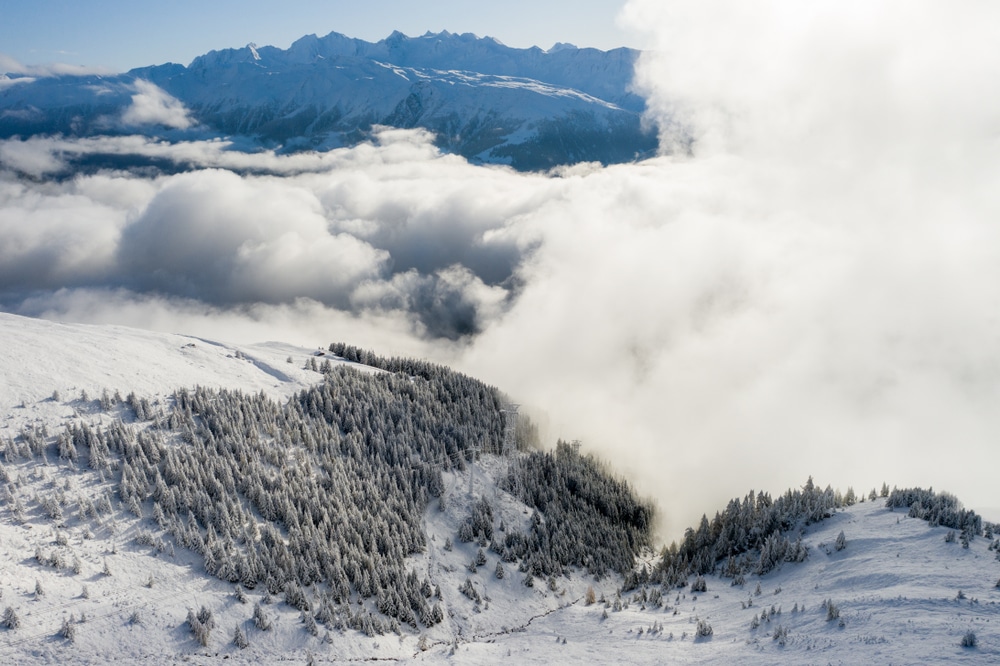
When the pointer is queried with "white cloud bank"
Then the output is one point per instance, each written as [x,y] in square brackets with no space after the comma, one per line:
[806,284]
[151,105]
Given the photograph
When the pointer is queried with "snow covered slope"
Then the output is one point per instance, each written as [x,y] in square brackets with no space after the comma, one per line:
[47,366]
[904,596]
[491,103]
[87,581]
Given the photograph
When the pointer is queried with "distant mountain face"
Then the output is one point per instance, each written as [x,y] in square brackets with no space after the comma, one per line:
[529,108]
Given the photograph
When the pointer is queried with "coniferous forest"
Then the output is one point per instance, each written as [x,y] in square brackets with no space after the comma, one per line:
[327,492]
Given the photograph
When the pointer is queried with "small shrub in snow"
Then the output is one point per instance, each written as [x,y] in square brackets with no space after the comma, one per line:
[841,542]
[68,630]
[310,622]
[205,617]
[240,638]
[703,630]
[969,640]
[500,573]
[780,635]
[38,588]
[260,619]
[832,611]
[10,618]
[949,537]
[699,585]
[469,591]
[201,625]
[590,597]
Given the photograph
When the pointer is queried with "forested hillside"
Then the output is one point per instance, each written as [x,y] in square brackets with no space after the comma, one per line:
[321,500]
[333,505]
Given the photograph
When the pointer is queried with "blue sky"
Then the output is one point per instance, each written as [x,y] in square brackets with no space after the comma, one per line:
[121,34]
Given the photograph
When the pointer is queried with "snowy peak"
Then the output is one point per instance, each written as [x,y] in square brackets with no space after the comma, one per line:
[562,46]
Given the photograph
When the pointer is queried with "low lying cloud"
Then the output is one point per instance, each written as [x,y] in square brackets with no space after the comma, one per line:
[9,65]
[56,156]
[151,105]
[803,283]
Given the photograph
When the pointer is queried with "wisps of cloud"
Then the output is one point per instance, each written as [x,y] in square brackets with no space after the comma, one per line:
[804,283]
[42,156]
[9,65]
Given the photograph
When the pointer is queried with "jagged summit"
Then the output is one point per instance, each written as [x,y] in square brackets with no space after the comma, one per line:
[491,103]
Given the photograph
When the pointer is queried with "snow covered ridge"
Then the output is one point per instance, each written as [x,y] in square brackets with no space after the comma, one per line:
[530,108]
[329,505]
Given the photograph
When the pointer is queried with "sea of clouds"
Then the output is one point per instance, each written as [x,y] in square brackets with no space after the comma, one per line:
[805,282]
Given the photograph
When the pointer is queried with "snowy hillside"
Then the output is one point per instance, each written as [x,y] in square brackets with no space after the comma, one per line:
[108,553]
[490,103]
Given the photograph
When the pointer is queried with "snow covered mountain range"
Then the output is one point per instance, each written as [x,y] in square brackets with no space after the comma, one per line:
[132,528]
[490,103]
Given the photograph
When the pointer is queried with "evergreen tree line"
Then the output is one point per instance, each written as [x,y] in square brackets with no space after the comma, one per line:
[406,366]
[755,535]
[942,509]
[751,536]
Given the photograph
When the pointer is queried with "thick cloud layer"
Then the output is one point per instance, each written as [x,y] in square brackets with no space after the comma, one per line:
[804,283]
[389,228]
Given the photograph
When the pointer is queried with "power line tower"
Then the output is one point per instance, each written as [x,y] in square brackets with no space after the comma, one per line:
[509,451]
